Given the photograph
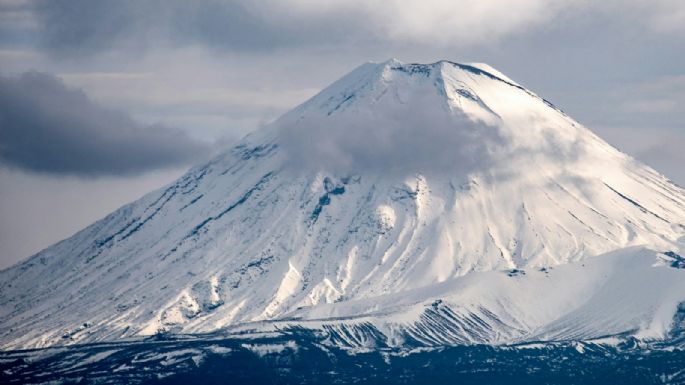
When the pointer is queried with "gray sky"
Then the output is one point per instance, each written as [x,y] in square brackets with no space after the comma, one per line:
[102,101]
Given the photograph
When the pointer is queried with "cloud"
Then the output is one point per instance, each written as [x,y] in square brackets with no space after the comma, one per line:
[465,22]
[90,26]
[664,16]
[416,136]
[47,127]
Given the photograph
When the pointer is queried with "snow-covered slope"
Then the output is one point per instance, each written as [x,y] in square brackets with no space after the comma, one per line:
[622,292]
[401,196]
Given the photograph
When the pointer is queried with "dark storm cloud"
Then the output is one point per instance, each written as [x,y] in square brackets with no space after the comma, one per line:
[47,127]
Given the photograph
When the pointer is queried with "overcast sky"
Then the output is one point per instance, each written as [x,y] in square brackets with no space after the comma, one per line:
[103,101]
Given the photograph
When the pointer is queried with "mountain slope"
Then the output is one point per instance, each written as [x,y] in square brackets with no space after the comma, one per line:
[622,292]
[398,178]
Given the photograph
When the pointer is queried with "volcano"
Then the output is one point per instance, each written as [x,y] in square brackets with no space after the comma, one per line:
[404,205]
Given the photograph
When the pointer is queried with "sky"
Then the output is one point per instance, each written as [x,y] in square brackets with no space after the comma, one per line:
[104,101]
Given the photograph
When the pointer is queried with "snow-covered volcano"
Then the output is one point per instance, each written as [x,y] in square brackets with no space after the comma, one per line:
[410,203]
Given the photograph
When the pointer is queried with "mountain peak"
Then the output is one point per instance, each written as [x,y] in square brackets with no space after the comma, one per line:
[425,69]
[457,118]
[460,85]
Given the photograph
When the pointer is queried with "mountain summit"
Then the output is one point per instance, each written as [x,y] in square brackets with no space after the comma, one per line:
[405,204]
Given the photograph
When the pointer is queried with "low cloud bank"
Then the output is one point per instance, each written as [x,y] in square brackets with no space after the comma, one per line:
[47,127]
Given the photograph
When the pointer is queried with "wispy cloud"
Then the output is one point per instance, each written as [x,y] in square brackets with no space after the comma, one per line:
[416,135]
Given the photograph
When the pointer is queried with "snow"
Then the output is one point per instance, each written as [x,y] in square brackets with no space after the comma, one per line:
[397,186]
[487,68]
[265,349]
[581,301]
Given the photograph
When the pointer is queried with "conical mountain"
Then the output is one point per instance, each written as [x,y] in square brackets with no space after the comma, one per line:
[419,204]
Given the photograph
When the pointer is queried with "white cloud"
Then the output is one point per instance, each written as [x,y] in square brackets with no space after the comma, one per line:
[461,21]
[475,21]
[437,21]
